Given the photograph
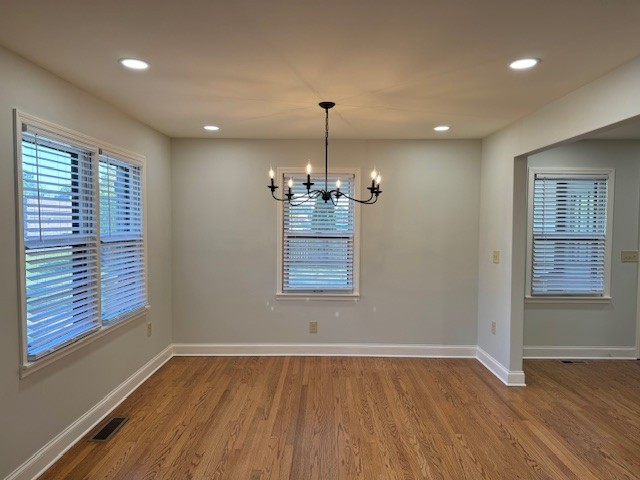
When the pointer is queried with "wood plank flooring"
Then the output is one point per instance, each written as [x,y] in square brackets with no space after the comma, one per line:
[329,418]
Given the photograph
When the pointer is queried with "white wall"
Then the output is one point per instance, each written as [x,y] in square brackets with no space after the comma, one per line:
[419,244]
[587,325]
[612,98]
[33,410]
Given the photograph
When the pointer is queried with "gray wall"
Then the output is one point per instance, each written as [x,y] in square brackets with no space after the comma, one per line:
[35,409]
[418,246]
[612,98]
[614,324]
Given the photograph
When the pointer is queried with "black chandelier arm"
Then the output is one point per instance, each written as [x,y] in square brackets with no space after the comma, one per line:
[369,201]
[295,198]
[307,198]
[279,199]
[375,193]
[273,189]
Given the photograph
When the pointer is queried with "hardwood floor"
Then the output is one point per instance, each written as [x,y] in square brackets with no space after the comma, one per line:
[332,418]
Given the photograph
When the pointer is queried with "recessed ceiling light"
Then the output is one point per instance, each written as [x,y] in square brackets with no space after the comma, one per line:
[134,63]
[441,128]
[524,63]
[211,128]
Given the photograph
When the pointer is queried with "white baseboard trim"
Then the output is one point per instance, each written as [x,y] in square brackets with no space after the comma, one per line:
[511,378]
[579,353]
[329,349]
[57,446]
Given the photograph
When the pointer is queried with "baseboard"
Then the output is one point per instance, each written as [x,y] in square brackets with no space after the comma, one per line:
[329,349]
[580,353]
[511,378]
[54,449]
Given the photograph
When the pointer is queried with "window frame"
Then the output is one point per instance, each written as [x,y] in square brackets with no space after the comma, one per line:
[570,298]
[95,146]
[282,172]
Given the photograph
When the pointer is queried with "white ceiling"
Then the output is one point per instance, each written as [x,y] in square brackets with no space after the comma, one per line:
[258,68]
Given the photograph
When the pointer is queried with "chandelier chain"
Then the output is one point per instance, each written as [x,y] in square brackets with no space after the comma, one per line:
[326,148]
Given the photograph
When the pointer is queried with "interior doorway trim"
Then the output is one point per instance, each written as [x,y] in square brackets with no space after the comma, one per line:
[638,309]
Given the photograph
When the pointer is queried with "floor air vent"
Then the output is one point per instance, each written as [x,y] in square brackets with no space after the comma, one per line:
[106,432]
[579,362]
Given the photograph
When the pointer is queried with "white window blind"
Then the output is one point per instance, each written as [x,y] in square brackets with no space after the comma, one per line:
[123,289]
[82,233]
[60,241]
[318,240]
[569,234]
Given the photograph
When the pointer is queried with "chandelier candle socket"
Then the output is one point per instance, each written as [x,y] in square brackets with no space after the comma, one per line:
[325,194]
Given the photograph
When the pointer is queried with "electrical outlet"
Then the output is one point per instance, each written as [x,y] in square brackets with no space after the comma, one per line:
[496,256]
[629,256]
[149,329]
[313,327]
[493,328]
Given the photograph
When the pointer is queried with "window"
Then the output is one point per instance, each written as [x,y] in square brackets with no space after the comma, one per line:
[570,233]
[81,234]
[318,241]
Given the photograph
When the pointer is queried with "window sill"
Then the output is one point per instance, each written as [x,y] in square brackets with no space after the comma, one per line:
[578,300]
[353,297]
[30,367]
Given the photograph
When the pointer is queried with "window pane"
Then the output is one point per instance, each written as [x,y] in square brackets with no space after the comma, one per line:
[57,191]
[61,297]
[123,288]
[569,235]
[61,272]
[120,199]
[318,263]
[318,240]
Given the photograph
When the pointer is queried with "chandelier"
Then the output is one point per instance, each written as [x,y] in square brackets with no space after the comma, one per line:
[326,194]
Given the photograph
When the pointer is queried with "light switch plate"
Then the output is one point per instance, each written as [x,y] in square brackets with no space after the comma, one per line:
[496,256]
[629,256]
